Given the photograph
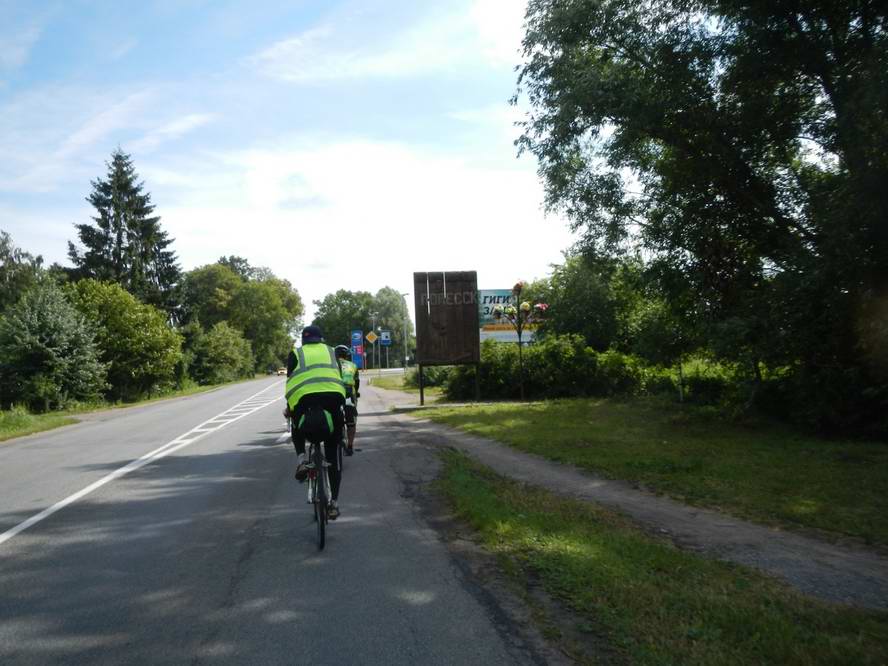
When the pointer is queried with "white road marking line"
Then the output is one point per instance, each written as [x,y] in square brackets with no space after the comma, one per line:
[284,437]
[160,452]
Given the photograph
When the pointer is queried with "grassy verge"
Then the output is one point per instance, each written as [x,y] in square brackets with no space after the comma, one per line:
[396,383]
[652,602]
[18,421]
[766,472]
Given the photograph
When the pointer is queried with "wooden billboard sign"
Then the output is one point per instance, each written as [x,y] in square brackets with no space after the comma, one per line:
[446,319]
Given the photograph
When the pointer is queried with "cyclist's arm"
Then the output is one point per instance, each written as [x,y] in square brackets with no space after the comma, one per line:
[357,380]
[291,363]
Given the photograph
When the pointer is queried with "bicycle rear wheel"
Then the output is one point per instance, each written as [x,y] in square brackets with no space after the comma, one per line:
[320,503]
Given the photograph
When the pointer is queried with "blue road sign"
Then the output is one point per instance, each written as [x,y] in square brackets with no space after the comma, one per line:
[357,348]
[385,338]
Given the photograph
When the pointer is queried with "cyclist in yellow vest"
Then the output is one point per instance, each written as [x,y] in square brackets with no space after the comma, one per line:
[314,379]
[352,382]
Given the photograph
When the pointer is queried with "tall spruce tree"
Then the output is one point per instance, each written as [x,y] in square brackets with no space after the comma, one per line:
[126,244]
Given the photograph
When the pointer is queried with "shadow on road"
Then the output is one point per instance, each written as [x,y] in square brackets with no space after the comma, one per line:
[203,556]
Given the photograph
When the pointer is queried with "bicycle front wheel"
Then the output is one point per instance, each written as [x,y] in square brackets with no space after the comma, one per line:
[320,503]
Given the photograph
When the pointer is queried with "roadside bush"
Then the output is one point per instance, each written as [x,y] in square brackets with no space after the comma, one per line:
[435,375]
[141,350]
[48,354]
[832,404]
[556,367]
[221,355]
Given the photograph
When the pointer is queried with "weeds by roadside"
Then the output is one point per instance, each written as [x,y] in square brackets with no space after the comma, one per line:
[764,472]
[653,602]
[18,421]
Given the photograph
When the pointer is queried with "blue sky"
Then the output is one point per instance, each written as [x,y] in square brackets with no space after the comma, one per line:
[342,144]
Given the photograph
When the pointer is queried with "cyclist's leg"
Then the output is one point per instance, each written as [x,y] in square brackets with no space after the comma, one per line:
[295,436]
[351,424]
[331,450]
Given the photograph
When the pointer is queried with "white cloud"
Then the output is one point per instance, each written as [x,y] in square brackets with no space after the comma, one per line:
[500,26]
[44,134]
[364,214]
[16,47]
[170,131]
[345,49]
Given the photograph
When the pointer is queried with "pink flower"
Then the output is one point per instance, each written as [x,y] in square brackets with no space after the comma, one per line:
[542,307]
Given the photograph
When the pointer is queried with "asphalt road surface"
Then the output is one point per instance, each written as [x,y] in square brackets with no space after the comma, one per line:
[175,533]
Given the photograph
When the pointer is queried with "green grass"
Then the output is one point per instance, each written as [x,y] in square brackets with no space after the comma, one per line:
[19,422]
[650,601]
[764,472]
[396,383]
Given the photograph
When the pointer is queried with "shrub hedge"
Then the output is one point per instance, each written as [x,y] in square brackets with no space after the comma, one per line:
[563,366]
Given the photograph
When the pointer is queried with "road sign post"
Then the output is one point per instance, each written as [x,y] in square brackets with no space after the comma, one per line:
[385,340]
[357,348]
[372,338]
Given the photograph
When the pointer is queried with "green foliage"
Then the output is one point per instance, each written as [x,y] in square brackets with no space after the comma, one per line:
[341,312]
[48,354]
[19,271]
[259,309]
[757,181]
[207,293]
[344,311]
[580,300]
[433,375]
[264,308]
[221,355]
[126,244]
[19,421]
[141,350]
[643,599]
[558,366]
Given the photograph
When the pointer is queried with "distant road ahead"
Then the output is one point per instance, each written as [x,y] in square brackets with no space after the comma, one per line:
[205,551]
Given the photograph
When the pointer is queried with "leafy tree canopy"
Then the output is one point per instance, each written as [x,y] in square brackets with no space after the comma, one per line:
[141,350]
[341,312]
[221,355]
[743,148]
[48,354]
[266,309]
[19,271]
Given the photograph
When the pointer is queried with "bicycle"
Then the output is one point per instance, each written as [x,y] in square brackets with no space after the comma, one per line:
[318,488]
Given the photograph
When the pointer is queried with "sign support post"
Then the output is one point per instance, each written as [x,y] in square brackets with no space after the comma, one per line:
[421,387]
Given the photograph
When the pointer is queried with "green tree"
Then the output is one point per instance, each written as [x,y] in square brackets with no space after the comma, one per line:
[207,293]
[221,355]
[267,312]
[580,301]
[125,244]
[19,271]
[744,147]
[238,265]
[265,308]
[141,350]
[48,354]
[392,315]
[342,312]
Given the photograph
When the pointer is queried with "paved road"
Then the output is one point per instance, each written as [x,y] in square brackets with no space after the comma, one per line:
[204,551]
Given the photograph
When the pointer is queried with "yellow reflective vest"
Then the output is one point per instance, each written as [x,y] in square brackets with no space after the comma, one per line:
[317,371]
[349,370]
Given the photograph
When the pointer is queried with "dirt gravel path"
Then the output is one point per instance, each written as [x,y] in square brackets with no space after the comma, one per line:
[832,572]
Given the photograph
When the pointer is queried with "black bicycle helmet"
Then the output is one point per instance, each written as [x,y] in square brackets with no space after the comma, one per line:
[342,351]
